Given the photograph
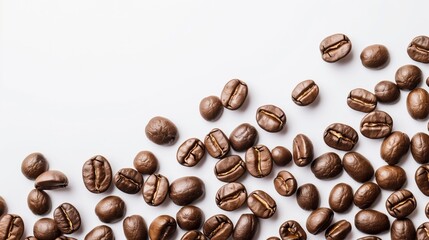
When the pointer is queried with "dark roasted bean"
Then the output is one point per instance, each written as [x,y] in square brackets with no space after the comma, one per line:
[292,230]
[374,56]
[11,227]
[408,77]
[371,221]
[338,230]
[155,189]
[366,195]
[231,196]
[302,150]
[401,203]
[285,183]
[361,100]
[243,137]
[261,204]
[101,232]
[420,147]
[52,179]
[394,147]
[161,131]
[230,169]
[357,166]
[307,196]
[340,136]
[162,228]
[327,165]
[67,218]
[190,152]
[246,227]
[135,228]
[390,177]
[418,49]
[305,93]
[185,190]
[128,180]
[376,124]
[270,118]
[341,197]
[319,220]
[33,165]
[234,94]
[216,143]
[218,227]
[402,229]
[259,161]
[97,174]
[335,47]
[386,91]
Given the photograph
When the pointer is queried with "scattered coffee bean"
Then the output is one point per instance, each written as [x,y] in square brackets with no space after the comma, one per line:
[418,103]
[33,165]
[190,152]
[408,77]
[340,136]
[292,230]
[216,143]
[246,227]
[418,49]
[420,147]
[338,230]
[302,150]
[234,94]
[45,229]
[243,137]
[361,100]
[190,218]
[281,156]
[67,218]
[145,162]
[185,190]
[110,209]
[358,167]
[230,169]
[270,118]
[218,227]
[423,231]
[371,221]
[39,202]
[259,161]
[193,235]
[161,131]
[402,229]
[231,196]
[422,178]
[135,228]
[376,124]
[401,203]
[390,177]
[3,206]
[11,227]
[341,197]
[261,204]
[128,180]
[374,56]
[305,93]
[285,183]
[386,91]
[307,196]
[326,166]
[335,47]
[366,195]
[319,220]
[155,189]
[101,232]
[211,108]
[394,147]
[97,174]
[52,179]
[162,228]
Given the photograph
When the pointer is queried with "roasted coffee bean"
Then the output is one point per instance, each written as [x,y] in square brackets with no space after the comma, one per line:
[369,238]
[243,137]
[422,178]
[402,229]
[97,174]
[418,103]
[361,100]
[420,147]
[319,220]
[427,210]
[341,197]
[308,197]
[145,162]
[394,147]
[110,209]
[234,94]
[190,218]
[230,169]
[155,189]
[390,177]
[135,228]
[366,195]
[281,155]
[418,49]
[52,179]
[259,161]
[335,47]
[162,228]
[285,183]
[358,167]
[185,190]
[39,202]
[338,230]
[270,118]
[302,150]
[101,232]
[246,227]
[218,227]
[128,180]
[190,152]
[340,136]
[216,143]
[371,221]
[193,235]
[292,230]
[374,56]
[376,124]
[408,77]
[33,165]
[401,203]
[67,218]
[45,229]
[305,93]
[423,231]
[11,227]
[231,196]
[261,204]
[161,131]
[386,91]
[3,206]
[211,108]
[327,165]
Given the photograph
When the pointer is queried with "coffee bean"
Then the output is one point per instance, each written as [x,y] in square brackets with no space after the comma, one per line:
[358,167]
[386,91]
[211,108]
[110,209]
[161,131]
[422,178]
[270,118]
[193,235]
[401,203]
[341,197]
[394,147]
[420,147]
[246,227]
[218,227]
[11,227]
[371,221]
[38,202]
[402,229]
[231,196]
[281,155]
[217,144]
[335,47]
[155,189]
[33,165]
[261,204]
[230,169]
[369,238]
[307,196]
[326,166]
[376,124]
[423,231]
[338,230]
[234,94]
[45,229]
[97,174]
[67,218]
[285,183]
[190,218]
[3,206]
[128,180]
[427,210]
[185,190]
[162,228]
[259,162]
[418,103]
[52,179]
[361,100]
[302,150]
[135,228]
[101,232]
[243,137]
[292,230]
[366,195]
[319,220]
[145,162]
[340,136]
[390,177]
[418,49]
[305,93]
[374,56]
[190,152]
[408,77]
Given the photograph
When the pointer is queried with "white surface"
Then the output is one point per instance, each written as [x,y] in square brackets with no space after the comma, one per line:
[80,78]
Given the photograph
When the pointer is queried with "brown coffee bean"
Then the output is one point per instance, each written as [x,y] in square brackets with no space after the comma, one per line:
[340,136]
[230,169]
[52,179]
[326,166]
[371,221]
[292,230]
[335,47]
[319,220]
[307,196]
[145,162]
[234,94]
[422,178]
[11,227]
[390,177]
[305,93]
[376,124]
[243,137]
[185,190]
[341,197]
[161,131]
[358,167]
[97,174]
[386,91]
[33,165]
[3,206]
[302,150]
[190,152]
[338,230]
[418,103]
[193,235]
[110,209]
[218,227]
[39,202]
[211,108]
[285,183]
[45,229]
[418,49]
[281,155]
[394,147]
[408,77]
[259,161]
[190,218]
[401,203]
[420,147]
[374,56]
[231,196]
[361,100]
[67,218]
[135,228]
[261,204]
[155,189]
[423,231]
[162,228]
[216,143]
[366,195]
[128,180]
[246,227]
[101,232]
[270,118]
[402,229]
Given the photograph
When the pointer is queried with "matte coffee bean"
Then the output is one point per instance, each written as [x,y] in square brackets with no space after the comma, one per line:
[243,137]
[302,150]
[369,238]
[52,179]
[218,227]
[33,165]
[335,47]
[305,93]
[11,227]
[145,162]
[292,230]
[374,56]
[285,183]
[423,231]
[422,178]
[216,143]
[402,229]
[418,49]
[261,204]
[390,177]
[231,196]
[67,218]
[420,147]
[327,165]
[358,167]
[190,218]
[394,147]
[376,124]
[371,221]
[234,94]
[307,196]
[246,227]
[128,180]
[97,174]
[110,209]
[281,155]
[259,161]
[39,202]
[401,203]
[341,197]
[135,228]
[161,131]
[361,100]
[101,232]
[386,91]
[155,189]
[211,108]
[185,190]
[418,103]
[340,136]
[338,230]
[230,169]
[3,206]
[366,195]
[270,118]
[190,152]
[408,77]
[162,227]
[45,229]
[193,235]
[319,220]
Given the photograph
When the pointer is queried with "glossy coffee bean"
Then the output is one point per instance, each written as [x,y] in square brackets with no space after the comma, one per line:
[394,147]
[418,103]
[362,100]
[386,91]
[319,220]
[390,177]
[67,218]
[216,143]
[302,150]
[110,209]
[335,47]
[193,235]
[374,56]
[231,196]
[190,152]
[357,166]
[11,227]
[376,124]
[408,77]
[285,183]
[211,108]
[291,229]
[371,221]
[305,93]
[101,232]
[45,229]
[326,166]
[421,178]
[218,227]
[145,162]
[281,155]
[261,204]
[185,190]
[162,227]
[340,136]
[246,227]
[33,165]
[128,180]
[234,94]
[423,231]
[420,147]
[270,118]
[155,189]
[190,218]
[366,195]
[243,137]
[307,196]
[401,203]
[3,206]
[52,179]
[39,202]
[161,131]
[230,169]
[259,161]
[418,49]
[338,230]
[97,174]
[135,228]
[402,229]
[341,197]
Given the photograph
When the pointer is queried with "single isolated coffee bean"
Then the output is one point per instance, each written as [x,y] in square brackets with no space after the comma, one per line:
[259,161]
[281,155]
[401,203]
[161,131]
[371,221]
[305,93]
[362,100]
[128,180]
[216,143]
[270,118]
[185,190]
[52,179]
[155,189]
[97,174]
[302,150]
[422,178]
[390,177]
[67,218]
[423,231]
[39,202]
[243,137]
[135,228]
[358,167]
[261,204]
[193,235]
[162,228]
[335,47]
[418,103]
[45,229]
[211,108]
[374,56]
[402,229]
[11,227]
[338,230]
[190,218]
[307,196]
[319,220]
[101,232]
[234,94]
[408,77]
[386,91]
[33,165]
[326,166]
[394,147]
[246,227]
[418,49]
[190,152]
[366,195]
[340,136]
[231,196]
[230,169]
[376,124]
[420,147]
[291,229]
[3,206]
[145,162]
[110,209]
[218,227]
[341,197]
[285,183]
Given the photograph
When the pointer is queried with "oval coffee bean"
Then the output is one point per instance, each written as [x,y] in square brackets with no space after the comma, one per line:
[134,228]
[361,100]
[338,230]
[371,221]
[234,94]
[285,183]
[305,93]
[402,229]
[246,227]
[420,147]
[374,56]
[390,177]
[110,209]
[193,235]
[376,124]
[33,165]
[3,206]
[259,161]
[39,202]
[291,229]
[190,218]
[162,228]
[340,136]
[45,229]
[386,91]
[185,190]
[216,143]
[261,204]
[422,178]
[52,179]
[341,197]
[190,152]
[11,227]
[327,165]
[408,77]
[231,196]
[358,167]
[418,103]
[211,108]
[423,231]
[97,174]
[401,203]
[243,137]
[101,232]
[335,47]
[218,227]
[230,169]
[366,195]
[128,180]
[270,118]
[307,196]
[418,49]
[319,220]
[394,147]
[155,189]
[302,150]
[67,218]
[145,162]
[161,131]
[281,155]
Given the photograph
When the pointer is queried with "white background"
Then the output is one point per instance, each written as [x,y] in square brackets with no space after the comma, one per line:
[80,78]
